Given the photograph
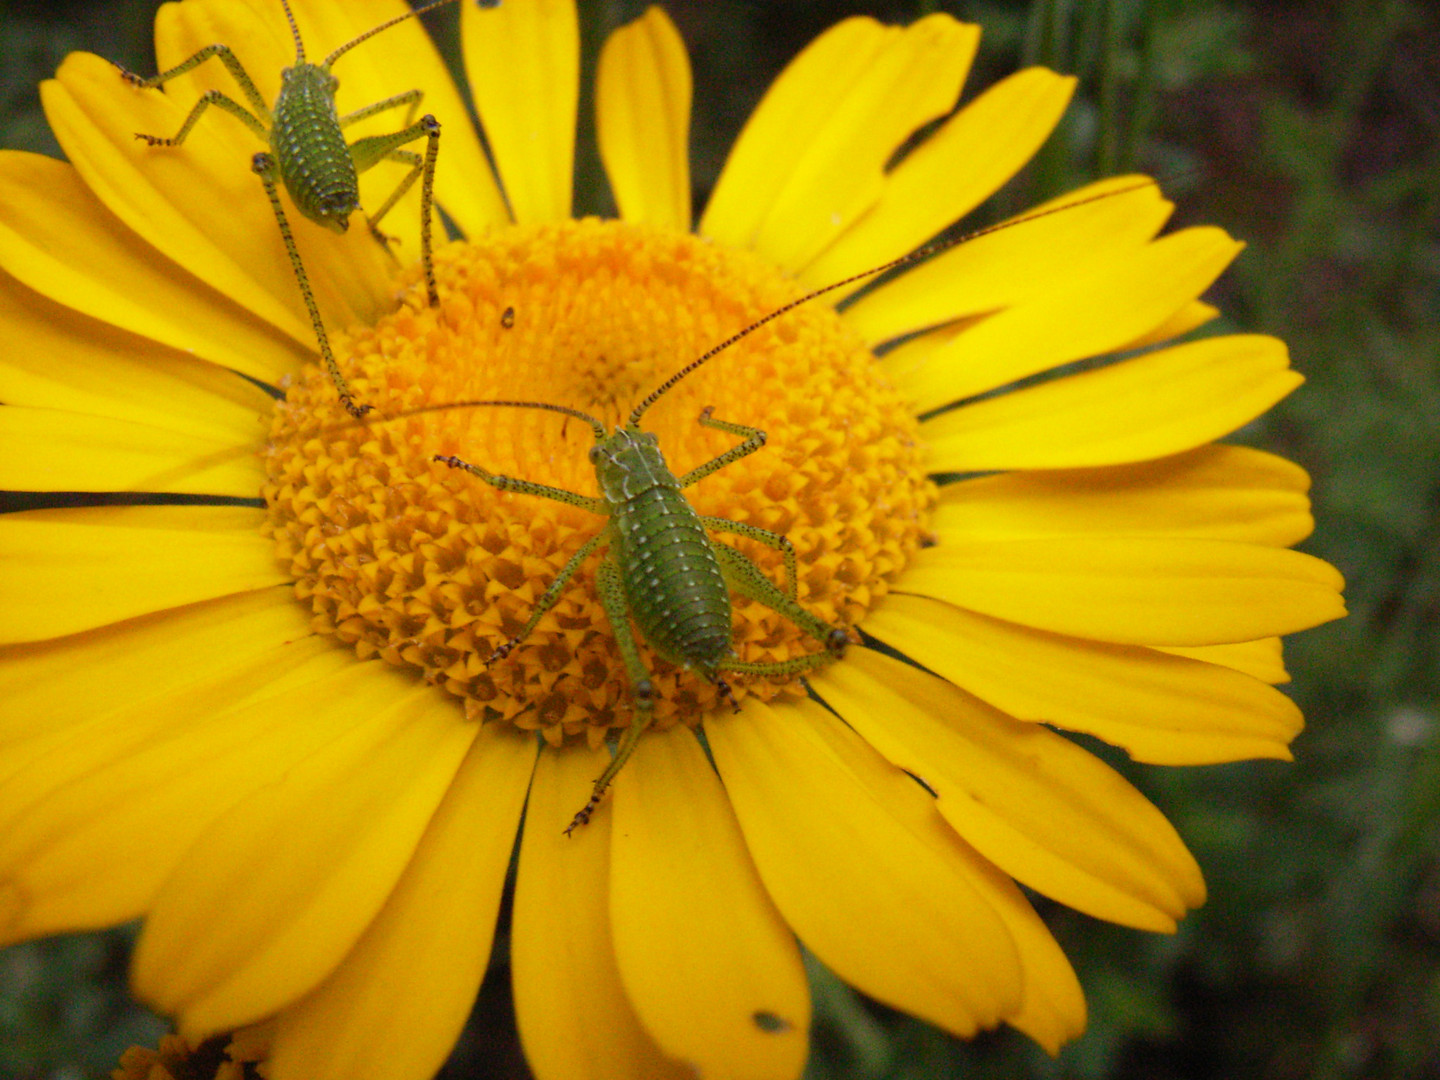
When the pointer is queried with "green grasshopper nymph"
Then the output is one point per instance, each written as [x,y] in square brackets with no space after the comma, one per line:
[661,567]
[309,155]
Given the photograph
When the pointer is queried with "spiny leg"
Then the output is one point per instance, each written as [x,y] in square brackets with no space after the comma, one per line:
[770,539]
[264,167]
[548,598]
[746,577]
[617,611]
[367,152]
[409,97]
[754,440]
[233,65]
[525,487]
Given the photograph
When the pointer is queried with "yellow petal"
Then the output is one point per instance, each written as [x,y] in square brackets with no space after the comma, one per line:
[862,867]
[642,96]
[1162,403]
[575,1020]
[62,571]
[1030,255]
[945,178]
[397,60]
[201,206]
[1263,659]
[1135,590]
[57,239]
[811,158]
[709,965]
[523,61]
[397,1003]
[51,450]
[56,684]
[98,813]
[1214,492]
[1161,708]
[1042,809]
[296,872]
[1052,1011]
[1117,299]
[63,360]
[1193,315]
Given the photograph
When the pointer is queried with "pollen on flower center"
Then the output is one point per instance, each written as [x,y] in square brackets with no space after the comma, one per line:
[431,568]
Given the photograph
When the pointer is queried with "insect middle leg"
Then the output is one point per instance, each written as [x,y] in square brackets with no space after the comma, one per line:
[746,577]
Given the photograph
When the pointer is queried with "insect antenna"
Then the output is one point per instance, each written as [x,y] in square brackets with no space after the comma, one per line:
[295,33]
[925,252]
[343,49]
[595,425]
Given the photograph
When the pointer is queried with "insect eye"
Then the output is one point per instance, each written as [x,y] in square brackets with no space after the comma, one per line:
[595,454]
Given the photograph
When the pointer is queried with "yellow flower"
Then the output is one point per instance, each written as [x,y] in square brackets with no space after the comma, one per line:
[270,729]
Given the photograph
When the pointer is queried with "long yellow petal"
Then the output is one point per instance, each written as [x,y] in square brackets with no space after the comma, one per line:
[857,860]
[1215,492]
[299,870]
[1263,659]
[1135,590]
[62,571]
[811,159]
[642,101]
[1116,300]
[1045,811]
[60,241]
[1033,254]
[1164,709]
[707,961]
[575,1020]
[523,62]
[52,450]
[395,1006]
[98,813]
[1162,403]
[945,178]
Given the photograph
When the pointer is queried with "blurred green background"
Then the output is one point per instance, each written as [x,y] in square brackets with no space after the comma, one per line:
[1310,129]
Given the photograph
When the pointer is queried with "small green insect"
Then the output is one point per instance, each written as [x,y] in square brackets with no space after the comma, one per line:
[309,155]
[661,567]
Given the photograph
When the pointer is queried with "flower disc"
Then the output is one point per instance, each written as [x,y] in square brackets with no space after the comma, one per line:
[430,567]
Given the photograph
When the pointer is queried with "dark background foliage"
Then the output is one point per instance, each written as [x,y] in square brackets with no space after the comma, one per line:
[1311,129]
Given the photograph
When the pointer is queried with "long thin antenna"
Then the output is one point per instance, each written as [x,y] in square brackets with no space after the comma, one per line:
[343,49]
[904,260]
[595,425]
[295,33]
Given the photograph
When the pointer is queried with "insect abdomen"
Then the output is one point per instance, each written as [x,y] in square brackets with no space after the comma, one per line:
[315,163]
[672,578]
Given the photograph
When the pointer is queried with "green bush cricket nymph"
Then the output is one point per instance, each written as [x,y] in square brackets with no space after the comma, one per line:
[660,565]
[309,155]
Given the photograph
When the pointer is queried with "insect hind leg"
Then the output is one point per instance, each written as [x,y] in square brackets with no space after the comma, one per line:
[748,579]
[617,610]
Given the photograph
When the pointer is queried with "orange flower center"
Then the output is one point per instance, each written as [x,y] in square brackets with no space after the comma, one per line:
[432,568]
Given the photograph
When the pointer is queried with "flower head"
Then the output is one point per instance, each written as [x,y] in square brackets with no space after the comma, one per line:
[255,697]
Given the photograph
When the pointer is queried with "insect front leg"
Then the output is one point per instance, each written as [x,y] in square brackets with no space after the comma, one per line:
[369,151]
[754,440]
[259,121]
[748,579]
[264,166]
[617,611]
[409,97]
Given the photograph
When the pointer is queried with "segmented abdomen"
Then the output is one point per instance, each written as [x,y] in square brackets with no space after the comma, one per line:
[672,579]
[315,163]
